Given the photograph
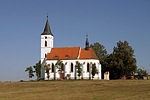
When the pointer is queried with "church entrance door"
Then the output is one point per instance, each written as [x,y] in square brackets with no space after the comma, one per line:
[61,75]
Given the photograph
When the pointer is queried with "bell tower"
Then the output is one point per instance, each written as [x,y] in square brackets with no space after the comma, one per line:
[46,45]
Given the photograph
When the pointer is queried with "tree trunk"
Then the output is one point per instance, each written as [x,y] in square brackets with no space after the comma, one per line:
[75,73]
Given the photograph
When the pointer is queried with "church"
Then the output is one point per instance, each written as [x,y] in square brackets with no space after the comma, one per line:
[69,57]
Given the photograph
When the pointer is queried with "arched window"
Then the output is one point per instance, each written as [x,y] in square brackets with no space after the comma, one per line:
[62,67]
[45,43]
[52,67]
[71,67]
[88,65]
[45,55]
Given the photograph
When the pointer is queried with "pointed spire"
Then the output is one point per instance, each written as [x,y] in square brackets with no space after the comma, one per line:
[87,43]
[47,30]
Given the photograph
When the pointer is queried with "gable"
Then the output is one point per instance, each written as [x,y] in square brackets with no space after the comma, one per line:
[88,54]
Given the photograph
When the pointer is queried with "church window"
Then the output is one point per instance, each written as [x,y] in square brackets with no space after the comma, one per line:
[52,67]
[62,67]
[45,55]
[88,67]
[45,43]
[45,37]
[71,67]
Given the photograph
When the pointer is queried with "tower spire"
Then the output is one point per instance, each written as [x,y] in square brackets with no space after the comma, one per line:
[47,30]
[86,43]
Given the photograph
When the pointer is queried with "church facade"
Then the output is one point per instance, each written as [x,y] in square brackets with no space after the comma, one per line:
[69,56]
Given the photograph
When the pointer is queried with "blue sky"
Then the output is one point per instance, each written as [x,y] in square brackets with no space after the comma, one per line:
[105,21]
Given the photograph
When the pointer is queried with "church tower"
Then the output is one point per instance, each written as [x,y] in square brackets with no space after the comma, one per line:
[46,45]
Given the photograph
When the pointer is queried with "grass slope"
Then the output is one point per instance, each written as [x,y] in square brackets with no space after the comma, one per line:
[76,90]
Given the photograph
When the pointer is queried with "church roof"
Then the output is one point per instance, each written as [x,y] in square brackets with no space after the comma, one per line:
[71,53]
[88,54]
[47,30]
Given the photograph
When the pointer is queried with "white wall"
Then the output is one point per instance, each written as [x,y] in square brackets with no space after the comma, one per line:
[45,50]
[67,68]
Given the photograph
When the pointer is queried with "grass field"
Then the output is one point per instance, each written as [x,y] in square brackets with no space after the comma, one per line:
[76,90]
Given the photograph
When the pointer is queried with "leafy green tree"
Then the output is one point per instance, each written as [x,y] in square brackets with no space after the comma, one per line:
[37,68]
[30,71]
[47,69]
[141,72]
[101,52]
[111,59]
[94,70]
[78,68]
[122,61]
[60,66]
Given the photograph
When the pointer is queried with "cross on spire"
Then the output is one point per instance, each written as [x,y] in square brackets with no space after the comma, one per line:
[47,15]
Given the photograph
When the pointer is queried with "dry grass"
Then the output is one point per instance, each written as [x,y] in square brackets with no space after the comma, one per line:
[76,90]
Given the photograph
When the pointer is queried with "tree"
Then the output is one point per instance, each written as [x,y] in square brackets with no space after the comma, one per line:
[101,52]
[47,69]
[141,72]
[60,66]
[122,61]
[94,70]
[37,68]
[112,69]
[78,68]
[30,71]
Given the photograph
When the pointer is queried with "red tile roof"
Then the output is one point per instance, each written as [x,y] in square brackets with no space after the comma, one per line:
[88,54]
[63,53]
[70,53]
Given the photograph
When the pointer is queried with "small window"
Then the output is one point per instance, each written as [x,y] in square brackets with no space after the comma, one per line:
[45,43]
[52,67]
[71,67]
[88,67]
[45,55]
[45,37]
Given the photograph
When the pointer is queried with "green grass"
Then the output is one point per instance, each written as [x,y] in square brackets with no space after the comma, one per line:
[76,90]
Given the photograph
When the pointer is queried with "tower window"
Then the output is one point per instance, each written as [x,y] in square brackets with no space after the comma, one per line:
[45,37]
[45,55]
[88,67]
[45,43]
[71,67]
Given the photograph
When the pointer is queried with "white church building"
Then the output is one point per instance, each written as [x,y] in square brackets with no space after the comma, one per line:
[68,55]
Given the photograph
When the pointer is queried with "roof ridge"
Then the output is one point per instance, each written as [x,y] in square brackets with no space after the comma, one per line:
[69,47]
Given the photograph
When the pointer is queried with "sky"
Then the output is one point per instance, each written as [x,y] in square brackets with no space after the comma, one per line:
[105,21]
